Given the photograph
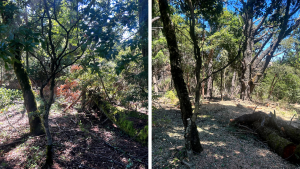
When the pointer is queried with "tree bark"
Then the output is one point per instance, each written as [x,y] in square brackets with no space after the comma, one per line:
[83,99]
[47,106]
[177,76]
[210,80]
[22,76]
[35,123]
[232,89]
[143,22]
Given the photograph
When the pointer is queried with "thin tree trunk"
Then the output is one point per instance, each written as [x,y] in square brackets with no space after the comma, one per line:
[27,62]
[224,82]
[233,84]
[1,81]
[221,89]
[83,99]
[155,84]
[209,81]
[212,87]
[188,83]
[272,86]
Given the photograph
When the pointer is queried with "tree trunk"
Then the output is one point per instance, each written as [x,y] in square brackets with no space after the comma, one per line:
[177,76]
[188,83]
[221,87]
[143,22]
[272,86]
[232,89]
[210,80]
[224,82]
[1,80]
[35,123]
[253,34]
[22,76]
[83,99]
[155,84]
[45,115]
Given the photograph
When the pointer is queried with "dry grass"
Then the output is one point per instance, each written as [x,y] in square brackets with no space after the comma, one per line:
[224,146]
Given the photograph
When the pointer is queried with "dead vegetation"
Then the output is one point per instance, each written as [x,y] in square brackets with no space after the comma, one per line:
[224,146]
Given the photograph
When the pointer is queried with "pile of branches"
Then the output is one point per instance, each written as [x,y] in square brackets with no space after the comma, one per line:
[281,137]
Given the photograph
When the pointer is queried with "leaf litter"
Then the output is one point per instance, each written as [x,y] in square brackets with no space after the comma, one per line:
[80,141]
[224,146]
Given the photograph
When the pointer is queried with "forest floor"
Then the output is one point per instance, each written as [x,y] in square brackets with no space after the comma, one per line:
[224,146]
[80,141]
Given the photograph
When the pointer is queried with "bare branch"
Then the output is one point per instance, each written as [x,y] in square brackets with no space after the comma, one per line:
[229,63]
[156,18]
[42,64]
[50,29]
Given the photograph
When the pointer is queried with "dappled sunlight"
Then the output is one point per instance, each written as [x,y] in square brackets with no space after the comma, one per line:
[223,146]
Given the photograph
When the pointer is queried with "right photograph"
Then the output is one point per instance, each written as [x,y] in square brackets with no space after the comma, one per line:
[225,84]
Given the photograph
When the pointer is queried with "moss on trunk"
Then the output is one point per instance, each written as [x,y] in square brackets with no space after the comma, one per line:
[35,123]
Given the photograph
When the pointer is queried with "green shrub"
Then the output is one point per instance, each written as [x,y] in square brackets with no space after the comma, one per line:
[172,96]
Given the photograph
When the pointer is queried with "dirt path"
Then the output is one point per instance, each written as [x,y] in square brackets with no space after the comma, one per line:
[80,141]
[224,146]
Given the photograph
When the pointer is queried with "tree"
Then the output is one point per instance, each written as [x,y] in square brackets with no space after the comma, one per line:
[12,46]
[192,136]
[60,33]
[275,21]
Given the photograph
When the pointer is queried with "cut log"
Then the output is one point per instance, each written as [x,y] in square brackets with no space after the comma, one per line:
[250,118]
[282,146]
[276,133]
[269,120]
[290,131]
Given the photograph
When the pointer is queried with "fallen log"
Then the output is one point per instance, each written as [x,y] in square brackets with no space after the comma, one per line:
[280,145]
[270,120]
[290,131]
[277,134]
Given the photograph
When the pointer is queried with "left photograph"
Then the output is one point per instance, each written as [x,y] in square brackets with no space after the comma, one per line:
[73,84]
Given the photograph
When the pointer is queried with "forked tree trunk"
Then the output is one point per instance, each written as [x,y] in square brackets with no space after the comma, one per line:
[191,136]
[35,122]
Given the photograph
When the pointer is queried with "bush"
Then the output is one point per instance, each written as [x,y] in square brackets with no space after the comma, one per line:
[172,96]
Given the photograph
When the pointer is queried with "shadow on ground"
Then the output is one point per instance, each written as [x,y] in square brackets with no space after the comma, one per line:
[224,146]
[80,141]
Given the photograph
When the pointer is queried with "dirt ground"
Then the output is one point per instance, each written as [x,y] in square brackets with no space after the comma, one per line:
[224,146]
[80,141]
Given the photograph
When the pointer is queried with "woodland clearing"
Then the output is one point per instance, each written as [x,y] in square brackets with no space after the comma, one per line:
[224,146]
[81,140]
